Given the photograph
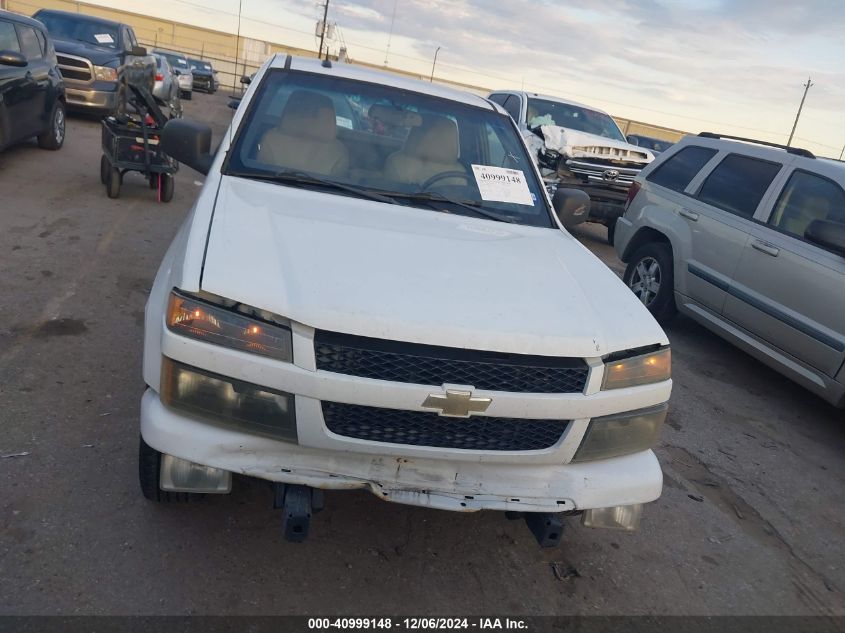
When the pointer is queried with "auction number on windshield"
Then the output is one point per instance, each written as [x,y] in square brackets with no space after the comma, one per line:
[498,184]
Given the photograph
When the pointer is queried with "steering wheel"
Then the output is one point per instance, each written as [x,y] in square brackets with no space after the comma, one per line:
[443,176]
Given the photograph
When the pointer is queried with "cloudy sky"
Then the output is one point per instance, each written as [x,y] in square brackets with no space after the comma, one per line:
[734,66]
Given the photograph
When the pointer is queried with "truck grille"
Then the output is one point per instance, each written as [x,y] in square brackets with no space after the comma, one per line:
[421,428]
[431,365]
[73,67]
[605,173]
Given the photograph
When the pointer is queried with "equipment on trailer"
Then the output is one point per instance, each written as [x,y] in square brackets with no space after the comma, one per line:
[131,142]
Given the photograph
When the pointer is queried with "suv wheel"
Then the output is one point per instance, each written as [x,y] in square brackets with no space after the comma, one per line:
[650,276]
[54,136]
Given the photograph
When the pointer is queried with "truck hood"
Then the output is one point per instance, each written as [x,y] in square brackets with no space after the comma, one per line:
[401,273]
[577,144]
[99,55]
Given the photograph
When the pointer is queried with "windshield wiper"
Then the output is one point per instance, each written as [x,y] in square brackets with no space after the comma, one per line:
[431,197]
[302,178]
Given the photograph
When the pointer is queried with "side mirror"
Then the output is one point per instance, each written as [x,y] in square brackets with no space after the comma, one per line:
[829,235]
[189,142]
[632,140]
[10,58]
[138,51]
[572,206]
[246,80]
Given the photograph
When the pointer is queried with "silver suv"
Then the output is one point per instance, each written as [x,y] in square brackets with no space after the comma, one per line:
[748,239]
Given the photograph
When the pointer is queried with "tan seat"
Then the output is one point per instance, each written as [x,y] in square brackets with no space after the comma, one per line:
[306,137]
[799,214]
[431,149]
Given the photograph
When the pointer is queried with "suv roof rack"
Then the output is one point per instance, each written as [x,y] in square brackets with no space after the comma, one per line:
[798,151]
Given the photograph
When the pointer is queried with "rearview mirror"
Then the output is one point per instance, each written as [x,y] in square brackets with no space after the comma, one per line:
[189,142]
[10,58]
[138,51]
[572,206]
[829,235]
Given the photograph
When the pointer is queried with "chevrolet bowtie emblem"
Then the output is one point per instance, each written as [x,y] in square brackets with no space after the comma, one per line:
[456,403]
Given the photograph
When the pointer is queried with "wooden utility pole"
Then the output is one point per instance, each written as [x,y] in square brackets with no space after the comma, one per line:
[807,87]
[323,30]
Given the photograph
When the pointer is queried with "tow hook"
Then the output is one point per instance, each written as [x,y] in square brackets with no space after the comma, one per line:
[547,527]
[297,504]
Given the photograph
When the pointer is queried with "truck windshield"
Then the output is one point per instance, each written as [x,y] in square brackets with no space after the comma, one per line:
[545,112]
[94,32]
[178,62]
[388,144]
[200,65]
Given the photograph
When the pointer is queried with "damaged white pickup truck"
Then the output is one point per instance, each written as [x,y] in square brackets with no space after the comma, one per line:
[374,291]
[578,146]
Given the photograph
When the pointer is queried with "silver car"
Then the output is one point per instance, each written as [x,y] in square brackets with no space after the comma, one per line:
[182,70]
[748,239]
[166,86]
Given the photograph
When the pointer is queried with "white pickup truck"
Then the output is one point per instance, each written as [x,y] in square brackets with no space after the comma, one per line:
[374,290]
[578,146]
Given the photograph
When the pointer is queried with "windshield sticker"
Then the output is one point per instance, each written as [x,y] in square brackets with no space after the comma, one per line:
[343,121]
[104,38]
[498,184]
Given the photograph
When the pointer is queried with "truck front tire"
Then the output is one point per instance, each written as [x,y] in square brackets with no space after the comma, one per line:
[149,467]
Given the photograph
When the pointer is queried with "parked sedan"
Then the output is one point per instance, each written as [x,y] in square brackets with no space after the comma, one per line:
[166,86]
[205,78]
[182,69]
[32,92]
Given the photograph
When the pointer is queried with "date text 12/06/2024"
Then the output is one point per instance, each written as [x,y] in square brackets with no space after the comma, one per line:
[417,624]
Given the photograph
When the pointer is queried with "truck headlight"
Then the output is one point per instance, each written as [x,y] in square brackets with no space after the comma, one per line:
[104,73]
[232,402]
[642,369]
[209,319]
[621,433]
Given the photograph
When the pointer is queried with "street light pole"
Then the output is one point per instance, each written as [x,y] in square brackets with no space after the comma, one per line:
[433,64]
[807,87]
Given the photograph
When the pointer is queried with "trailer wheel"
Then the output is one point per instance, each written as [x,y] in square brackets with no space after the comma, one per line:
[105,166]
[166,187]
[113,183]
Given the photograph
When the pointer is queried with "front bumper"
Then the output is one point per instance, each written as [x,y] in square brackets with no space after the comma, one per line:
[443,483]
[97,97]
[204,83]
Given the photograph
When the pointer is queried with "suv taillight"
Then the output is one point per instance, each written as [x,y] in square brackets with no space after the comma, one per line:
[632,193]
[159,77]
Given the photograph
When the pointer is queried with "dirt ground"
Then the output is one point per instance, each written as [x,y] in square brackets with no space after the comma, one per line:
[750,521]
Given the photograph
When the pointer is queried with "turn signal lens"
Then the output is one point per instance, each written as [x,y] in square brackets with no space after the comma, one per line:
[638,370]
[204,321]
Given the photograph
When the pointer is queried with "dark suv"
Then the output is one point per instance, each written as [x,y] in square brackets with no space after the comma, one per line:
[32,93]
[205,78]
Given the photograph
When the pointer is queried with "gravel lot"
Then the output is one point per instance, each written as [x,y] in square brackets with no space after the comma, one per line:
[751,520]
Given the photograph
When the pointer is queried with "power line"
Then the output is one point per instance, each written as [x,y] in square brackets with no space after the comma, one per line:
[475,72]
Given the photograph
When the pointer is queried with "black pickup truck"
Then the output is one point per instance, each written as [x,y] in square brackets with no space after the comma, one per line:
[96,58]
